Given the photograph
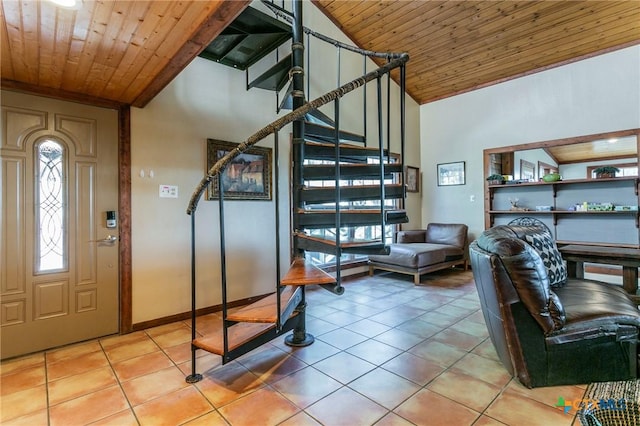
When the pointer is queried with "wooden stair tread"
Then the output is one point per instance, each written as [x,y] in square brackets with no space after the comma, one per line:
[345,211]
[239,334]
[345,244]
[302,273]
[264,310]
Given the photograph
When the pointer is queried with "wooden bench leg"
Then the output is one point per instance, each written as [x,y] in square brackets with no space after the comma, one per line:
[416,279]
[370,270]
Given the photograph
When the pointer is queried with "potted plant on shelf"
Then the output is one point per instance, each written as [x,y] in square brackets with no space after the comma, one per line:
[495,179]
[606,172]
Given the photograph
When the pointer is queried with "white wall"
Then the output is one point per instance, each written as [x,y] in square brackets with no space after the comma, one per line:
[595,95]
[168,136]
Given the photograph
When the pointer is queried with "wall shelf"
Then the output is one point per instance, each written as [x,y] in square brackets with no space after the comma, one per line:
[587,227]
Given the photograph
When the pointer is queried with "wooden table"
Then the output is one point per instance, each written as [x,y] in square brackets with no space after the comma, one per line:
[629,258]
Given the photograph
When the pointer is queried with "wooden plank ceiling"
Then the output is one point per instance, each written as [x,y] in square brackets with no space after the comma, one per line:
[457,46]
[125,52]
[105,52]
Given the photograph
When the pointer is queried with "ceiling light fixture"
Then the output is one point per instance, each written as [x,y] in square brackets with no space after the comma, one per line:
[612,140]
[64,3]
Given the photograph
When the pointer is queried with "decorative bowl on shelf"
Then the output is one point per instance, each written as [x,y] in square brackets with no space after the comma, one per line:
[551,177]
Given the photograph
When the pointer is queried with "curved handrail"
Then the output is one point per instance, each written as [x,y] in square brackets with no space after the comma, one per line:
[288,118]
[371,53]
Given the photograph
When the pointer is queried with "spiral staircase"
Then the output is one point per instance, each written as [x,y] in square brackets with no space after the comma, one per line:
[340,182]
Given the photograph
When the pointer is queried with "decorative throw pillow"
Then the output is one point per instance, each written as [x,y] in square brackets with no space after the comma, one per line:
[548,251]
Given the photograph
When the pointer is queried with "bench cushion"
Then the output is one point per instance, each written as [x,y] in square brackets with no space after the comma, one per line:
[419,255]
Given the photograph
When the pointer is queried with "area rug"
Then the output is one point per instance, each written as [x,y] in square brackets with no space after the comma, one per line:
[610,404]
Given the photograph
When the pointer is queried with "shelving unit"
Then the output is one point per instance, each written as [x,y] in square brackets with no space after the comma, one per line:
[620,228]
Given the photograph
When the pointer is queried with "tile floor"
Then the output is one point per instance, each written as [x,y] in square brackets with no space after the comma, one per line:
[386,353]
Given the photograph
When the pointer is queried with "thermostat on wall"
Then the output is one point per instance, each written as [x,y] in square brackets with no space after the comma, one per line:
[168,191]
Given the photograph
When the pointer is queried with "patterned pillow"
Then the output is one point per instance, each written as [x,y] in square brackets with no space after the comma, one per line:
[546,248]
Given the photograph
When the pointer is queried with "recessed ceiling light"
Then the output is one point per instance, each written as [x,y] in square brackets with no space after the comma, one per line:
[65,3]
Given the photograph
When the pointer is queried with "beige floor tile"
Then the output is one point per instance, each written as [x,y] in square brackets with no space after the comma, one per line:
[81,384]
[168,328]
[88,408]
[420,328]
[80,364]
[17,364]
[439,318]
[399,339]
[125,339]
[514,409]
[123,418]
[487,421]
[486,350]
[151,386]
[419,370]
[306,386]
[346,407]
[141,365]
[384,388]
[57,355]
[20,380]
[263,407]
[342,318]
[547,395]
[23,403]
[440,411]
[455,386]
[440,352]
[344,367]
[212,418]
[392,419]
[300,419]
[342,338]
[180,353]
[484,369]
[374,351]
[368,328]
[271,364]
[463,341]
[38,418]
[227,383]
[174,408]
[205,361]
[123,352]
[318,351]
[173,338]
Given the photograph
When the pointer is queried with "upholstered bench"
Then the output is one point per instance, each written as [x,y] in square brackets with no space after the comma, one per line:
[417,252]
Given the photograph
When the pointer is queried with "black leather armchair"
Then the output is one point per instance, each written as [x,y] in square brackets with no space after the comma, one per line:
[584,331]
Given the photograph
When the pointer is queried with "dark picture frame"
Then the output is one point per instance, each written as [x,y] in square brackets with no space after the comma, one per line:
[452,173]
[247,177]
[412,179]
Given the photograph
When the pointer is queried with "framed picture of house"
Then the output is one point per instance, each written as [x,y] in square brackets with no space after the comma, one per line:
[246,177]
[451,173]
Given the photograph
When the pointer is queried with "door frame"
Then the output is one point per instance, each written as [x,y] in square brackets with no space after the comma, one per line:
[124,214]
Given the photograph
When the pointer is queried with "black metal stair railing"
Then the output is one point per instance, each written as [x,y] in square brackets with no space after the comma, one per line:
[323,140]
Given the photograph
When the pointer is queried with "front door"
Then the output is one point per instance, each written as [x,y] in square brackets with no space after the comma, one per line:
[59,255]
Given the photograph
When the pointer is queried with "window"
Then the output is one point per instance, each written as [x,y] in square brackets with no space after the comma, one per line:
[359,233]
[50,235]
[626,169]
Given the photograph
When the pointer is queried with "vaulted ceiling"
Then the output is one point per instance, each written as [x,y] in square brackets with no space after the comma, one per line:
[125,52]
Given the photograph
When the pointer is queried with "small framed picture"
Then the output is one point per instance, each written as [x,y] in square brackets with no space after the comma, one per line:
[451,173]
[412,179]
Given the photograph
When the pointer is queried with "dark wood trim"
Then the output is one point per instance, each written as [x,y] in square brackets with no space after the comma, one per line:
[64,95]
[217,21]
[184,316]
[124,214]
